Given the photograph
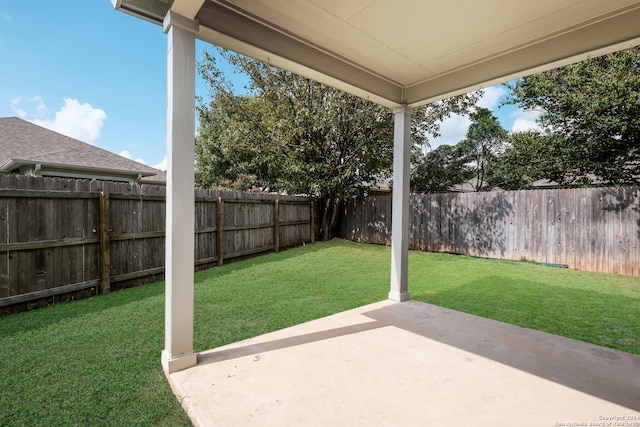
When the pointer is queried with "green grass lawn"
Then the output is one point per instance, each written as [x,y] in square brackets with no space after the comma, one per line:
[97,361]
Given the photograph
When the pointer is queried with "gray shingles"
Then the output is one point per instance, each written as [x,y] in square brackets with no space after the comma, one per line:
[23,140]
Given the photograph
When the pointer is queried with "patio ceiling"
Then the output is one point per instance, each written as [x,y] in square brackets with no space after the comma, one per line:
[412,51]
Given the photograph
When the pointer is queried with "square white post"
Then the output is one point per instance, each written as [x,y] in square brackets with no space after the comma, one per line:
[400,209]
[179,253]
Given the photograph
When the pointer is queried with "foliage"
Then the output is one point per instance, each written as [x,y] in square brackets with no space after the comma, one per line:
[439,170]
[484,142]
[472,159]
[593,110]
[291,134]
[523,161]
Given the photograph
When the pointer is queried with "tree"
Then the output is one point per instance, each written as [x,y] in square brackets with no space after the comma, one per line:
[523,161]
[291,134]
[484,142]
[439,170]
[593,111]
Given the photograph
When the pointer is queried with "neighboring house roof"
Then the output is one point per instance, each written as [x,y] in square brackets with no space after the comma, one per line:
[468,186]
[30,149]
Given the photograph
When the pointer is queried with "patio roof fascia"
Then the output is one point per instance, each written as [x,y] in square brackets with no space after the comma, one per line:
[225,25]
[228,27]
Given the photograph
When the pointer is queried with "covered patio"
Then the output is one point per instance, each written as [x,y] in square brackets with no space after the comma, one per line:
[410,364]
[400,54]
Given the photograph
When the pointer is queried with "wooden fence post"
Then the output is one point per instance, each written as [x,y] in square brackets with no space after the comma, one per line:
[276,224]
[219,232]
[312,208]
[105,244]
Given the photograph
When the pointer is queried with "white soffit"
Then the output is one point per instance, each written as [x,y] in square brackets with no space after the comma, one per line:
[416,51]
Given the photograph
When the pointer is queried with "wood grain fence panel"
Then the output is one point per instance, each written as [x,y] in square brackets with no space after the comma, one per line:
[12,257]
[53,227]
[595,229]
[580,219]
[455,226]
[507,203]
[623,236]
[547,242]
[414,222]
[634,230]
[372,220]
[584,223]
[601,263]
[295,222]
[612,243]
[206,217]
[383,219]
[629,230]
[5,278]
[536,222]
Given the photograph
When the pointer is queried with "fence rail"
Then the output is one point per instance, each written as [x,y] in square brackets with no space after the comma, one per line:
[64,235]
[593,229]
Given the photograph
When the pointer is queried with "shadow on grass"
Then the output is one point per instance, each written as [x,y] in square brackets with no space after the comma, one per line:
[266,258]
[44,317]
[602,318]
[36,319]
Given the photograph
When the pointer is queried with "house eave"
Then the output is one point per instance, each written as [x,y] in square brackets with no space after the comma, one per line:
[154,16]
[39,168]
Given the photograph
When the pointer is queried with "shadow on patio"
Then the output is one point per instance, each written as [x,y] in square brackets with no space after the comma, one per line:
[409,363]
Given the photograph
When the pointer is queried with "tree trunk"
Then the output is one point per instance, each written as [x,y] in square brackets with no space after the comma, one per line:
[325,215]
[334,216]
[330,216]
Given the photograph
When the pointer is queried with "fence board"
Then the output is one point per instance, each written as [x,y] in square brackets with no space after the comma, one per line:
[51,236]
[594,229]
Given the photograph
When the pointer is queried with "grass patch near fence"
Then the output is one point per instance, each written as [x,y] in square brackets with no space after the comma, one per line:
[602,309]
[97,361]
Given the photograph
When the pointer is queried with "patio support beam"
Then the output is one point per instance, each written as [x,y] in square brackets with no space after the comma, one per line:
[400,209]
[179,253]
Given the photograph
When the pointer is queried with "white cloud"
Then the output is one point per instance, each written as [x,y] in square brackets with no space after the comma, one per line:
[491,96]
[452,130]
[15,106]
[162,165]
[525,120]
[6,40]
[127,155]
[35,104]
[79,121]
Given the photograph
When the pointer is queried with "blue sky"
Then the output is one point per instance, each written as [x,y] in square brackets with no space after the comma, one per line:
[82,69]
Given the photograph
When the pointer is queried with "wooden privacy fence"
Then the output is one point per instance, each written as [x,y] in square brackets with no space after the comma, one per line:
[593,229]
[61,235]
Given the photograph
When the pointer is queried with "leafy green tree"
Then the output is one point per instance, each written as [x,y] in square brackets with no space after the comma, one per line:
[484,142]
[291,134]
[439,170]
[593,110]
[523,161]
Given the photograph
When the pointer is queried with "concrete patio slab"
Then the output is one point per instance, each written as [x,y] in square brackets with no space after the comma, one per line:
[410,364]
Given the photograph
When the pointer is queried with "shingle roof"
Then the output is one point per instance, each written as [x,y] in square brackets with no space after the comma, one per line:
[21,140]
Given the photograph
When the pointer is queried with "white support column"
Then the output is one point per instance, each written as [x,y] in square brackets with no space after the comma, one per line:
[179,253]
[400,209]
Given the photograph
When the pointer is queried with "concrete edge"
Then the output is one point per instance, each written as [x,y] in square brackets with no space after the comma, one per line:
[183,399]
